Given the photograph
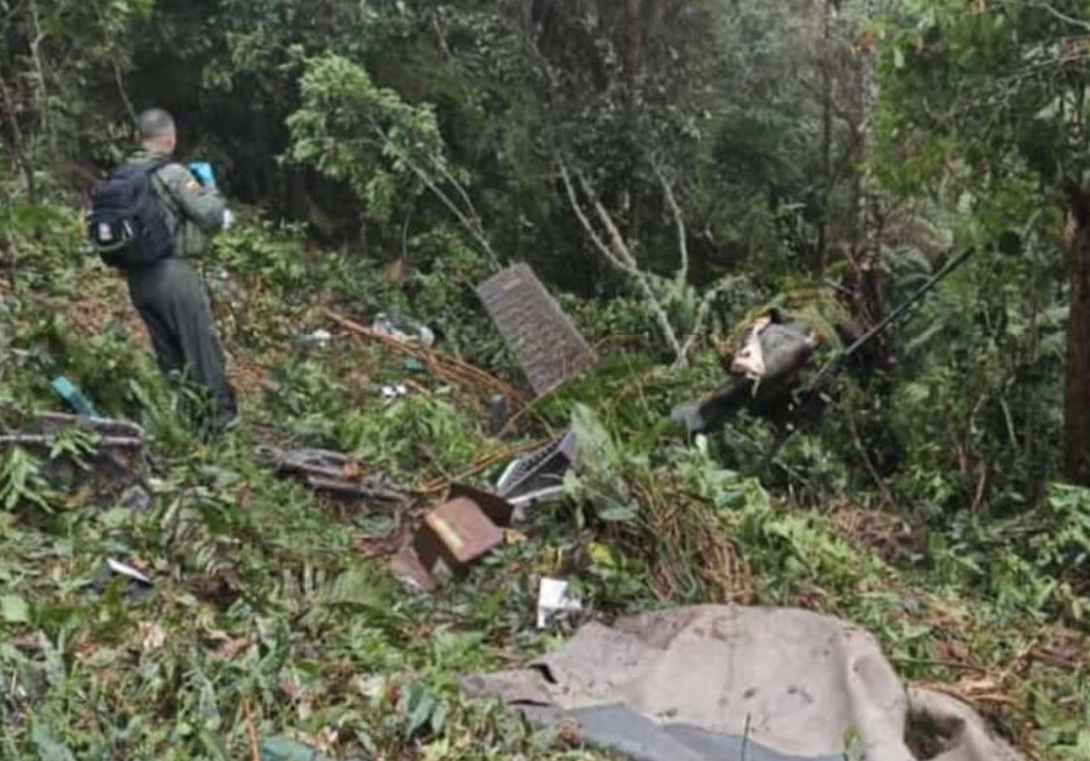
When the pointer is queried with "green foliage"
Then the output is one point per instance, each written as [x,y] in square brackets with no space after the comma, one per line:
[21,480]
[352,130]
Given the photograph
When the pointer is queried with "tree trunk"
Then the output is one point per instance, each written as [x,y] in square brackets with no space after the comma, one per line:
[1077,389]
[642,19]
[634,41]
[18,143]
[826,135]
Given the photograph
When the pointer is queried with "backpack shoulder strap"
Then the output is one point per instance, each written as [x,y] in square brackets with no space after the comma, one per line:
[152,167]
[163,190]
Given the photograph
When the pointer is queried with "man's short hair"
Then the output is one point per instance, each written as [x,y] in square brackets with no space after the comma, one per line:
[154,124]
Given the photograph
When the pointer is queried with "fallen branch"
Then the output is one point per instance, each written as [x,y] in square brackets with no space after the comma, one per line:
[342,486]
[48,440]
[325,470]
[440,365]
[484,463]
[938,663]
[255,747]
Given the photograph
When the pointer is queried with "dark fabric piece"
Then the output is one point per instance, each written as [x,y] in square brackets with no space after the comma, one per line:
[170,298]
[619,728]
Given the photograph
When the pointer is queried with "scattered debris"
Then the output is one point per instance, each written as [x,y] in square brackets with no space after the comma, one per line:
[124,569]
[403,329]
[765,369]
[497,415]
[539,475]
[499,510]
[320,337]
[454,535]
[483,463]
[109,458]
[774,347]
[405,565]
[137,498]
[546,342]
[75,398]
[395,392]
[554,602]
[443,368]
[119,435]
[468,524]
[414,365]
[326,470]
[137,584]
[222,287]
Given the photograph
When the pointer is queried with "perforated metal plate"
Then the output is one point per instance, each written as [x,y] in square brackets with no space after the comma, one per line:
[546,343]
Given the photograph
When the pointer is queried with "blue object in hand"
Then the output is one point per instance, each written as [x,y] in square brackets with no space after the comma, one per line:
[202,170]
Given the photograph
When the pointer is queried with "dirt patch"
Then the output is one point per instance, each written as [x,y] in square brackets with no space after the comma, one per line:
[887,534]
[92,315]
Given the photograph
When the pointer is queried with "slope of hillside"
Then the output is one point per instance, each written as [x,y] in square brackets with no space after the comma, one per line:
[273,611]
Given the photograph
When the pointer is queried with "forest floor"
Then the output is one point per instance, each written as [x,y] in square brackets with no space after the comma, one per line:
[274,612]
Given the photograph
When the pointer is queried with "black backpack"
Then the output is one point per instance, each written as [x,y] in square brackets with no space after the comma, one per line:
[127,224]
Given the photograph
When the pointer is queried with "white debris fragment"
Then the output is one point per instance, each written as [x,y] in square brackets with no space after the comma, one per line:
[553,601]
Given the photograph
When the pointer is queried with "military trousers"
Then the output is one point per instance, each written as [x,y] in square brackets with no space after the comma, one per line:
[172,301]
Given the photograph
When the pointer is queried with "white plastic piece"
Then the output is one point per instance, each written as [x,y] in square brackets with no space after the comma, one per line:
[124,569]
[553,601]
[395,392]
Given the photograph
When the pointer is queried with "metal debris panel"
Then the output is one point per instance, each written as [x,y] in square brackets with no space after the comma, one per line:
[546,343]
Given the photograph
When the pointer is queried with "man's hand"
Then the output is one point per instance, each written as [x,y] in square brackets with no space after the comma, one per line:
[202,170]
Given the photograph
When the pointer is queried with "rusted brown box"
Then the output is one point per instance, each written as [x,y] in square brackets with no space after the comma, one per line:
[498,509]
[454,535]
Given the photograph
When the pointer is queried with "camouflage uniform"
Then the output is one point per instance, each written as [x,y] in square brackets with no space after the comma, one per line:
[170,296]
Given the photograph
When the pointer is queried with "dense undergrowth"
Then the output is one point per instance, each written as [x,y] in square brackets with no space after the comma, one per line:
[274,612]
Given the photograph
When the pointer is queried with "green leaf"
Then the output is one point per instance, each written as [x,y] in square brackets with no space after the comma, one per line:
[14,609]
[49,748]
[422,703]
[617,513]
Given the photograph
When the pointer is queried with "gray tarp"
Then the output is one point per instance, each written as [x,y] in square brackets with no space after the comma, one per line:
[726,683]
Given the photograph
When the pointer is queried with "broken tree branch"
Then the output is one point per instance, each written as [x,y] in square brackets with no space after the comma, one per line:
[618,253]
[702,313]
[585,222]
[1058,14]
[119,80]
[48,440]
[679,221]
[442,366]
[467,217]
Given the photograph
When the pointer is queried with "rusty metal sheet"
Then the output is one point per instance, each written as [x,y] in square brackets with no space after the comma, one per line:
[456,533]
[546,343]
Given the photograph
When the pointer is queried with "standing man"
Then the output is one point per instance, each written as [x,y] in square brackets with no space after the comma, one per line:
[169,293]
